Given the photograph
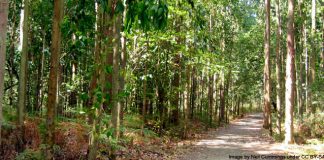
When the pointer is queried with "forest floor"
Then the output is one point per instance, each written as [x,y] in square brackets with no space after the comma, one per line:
[243,139]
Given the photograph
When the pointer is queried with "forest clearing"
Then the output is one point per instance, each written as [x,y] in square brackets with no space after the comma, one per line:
[161,79]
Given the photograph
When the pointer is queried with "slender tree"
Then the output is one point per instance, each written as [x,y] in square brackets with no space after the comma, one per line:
[278,65]
[123,62]
[23,65]
[267,81]
[312,58]
[93,116]
[3,36]
[290,76]
[116,104]
[53,78]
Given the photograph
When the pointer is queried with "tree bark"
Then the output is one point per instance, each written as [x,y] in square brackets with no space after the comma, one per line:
[115,78]
[3,36]
[187,101]
[176,80]
[278,65]
[210,99]
[40,73]
[267,81]
[301,79]
[23,66]
[93,116]
[53,78]
[312,57]
[123,40]
[290,76]
[222,100]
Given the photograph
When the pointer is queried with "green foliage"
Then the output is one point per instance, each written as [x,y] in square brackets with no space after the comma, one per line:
[146,14]
[42,129]
[29,154]
[133,121]
[316,124]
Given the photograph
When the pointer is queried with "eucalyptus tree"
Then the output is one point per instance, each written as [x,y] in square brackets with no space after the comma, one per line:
[312,59]
[290,76]
[278,65]
[267,80]
[53,78]
[23,66]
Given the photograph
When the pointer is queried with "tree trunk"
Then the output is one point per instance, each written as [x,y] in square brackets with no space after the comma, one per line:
[3,36]
[238,106]
[53,78]
[115,78]
[175,86]
[290,76]
[123,69]
[40,72]
[222,100]
[22,89]
[23,65]
[215,97]
[187,102]
[267,81]
[93,116]
[210,99]
[278,65]
[312,57]
[322,53]
[301,78]
[144,103]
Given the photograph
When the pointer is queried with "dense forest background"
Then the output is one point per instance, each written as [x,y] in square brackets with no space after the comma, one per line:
[80,78]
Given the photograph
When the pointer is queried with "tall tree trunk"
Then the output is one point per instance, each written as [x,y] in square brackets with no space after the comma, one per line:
[238,106]
[322,53]
[278,65]
[115,77]
[39,85]
[93,116]
[210,78]
[226,93]
[210,99]
[290,76]
[187,102]
[215,97]
[53,78]
[22,89]
[307,101]
[193,94]
[3,36]
[312,58]
[123,67]
[267,81]
[176,79]
[301,77]
[222,100]
[175,86]
[144,103]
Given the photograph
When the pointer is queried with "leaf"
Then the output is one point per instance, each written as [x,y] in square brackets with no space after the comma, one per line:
[84,96]
[119,7]
[109,69]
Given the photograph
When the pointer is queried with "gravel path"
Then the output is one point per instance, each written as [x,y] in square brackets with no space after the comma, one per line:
[243,137]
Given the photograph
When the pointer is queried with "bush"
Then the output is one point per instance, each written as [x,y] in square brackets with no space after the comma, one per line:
[30,155]
[313,126]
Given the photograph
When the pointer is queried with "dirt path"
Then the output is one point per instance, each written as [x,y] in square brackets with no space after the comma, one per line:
[243,137]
